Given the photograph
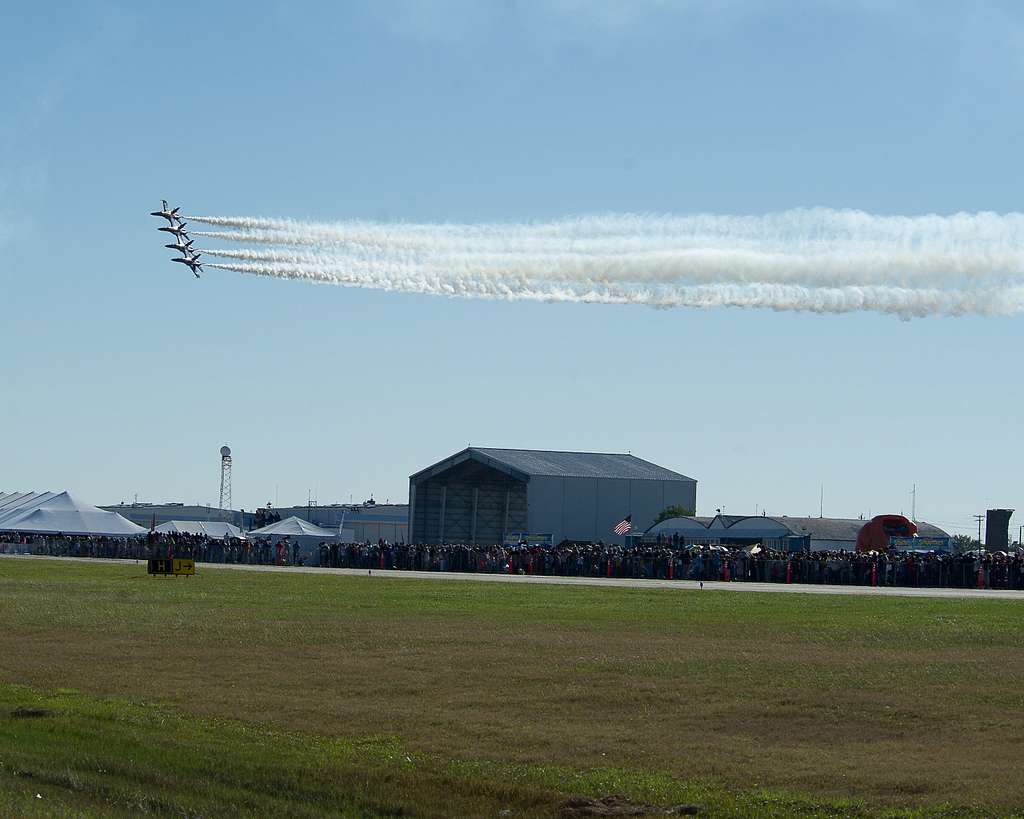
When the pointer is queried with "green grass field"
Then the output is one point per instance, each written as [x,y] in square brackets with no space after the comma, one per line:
[264,694]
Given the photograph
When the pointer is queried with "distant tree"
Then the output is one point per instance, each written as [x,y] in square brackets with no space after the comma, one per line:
[964,543]
[673,512]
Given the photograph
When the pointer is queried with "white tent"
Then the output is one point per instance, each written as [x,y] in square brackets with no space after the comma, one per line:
[299,532]
[50,513]
[294,527]
[211,528]
[12,503]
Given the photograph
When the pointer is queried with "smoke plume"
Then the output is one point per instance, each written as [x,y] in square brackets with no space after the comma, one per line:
[815,260]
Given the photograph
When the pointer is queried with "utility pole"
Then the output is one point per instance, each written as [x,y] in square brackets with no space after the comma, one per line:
[821,503]
[979,518]
[913,503]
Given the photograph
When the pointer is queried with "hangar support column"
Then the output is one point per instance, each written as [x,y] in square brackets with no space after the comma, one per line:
[472,526]
[444,501]
[504,526]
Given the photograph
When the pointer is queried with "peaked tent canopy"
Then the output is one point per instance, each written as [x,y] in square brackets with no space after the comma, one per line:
[51,513]
[210,528]
[293,527]
[12,503]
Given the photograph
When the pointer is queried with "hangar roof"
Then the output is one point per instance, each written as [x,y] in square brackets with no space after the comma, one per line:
[845,528]
[526,462]
[836,529]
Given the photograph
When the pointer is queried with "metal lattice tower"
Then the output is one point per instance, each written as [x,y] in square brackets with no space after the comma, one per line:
[225,477]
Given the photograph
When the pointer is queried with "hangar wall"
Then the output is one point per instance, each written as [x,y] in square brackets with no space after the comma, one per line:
[589,508]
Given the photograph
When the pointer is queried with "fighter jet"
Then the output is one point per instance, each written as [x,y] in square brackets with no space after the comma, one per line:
[192,260]
[178,230]
[182,248]
[170,215]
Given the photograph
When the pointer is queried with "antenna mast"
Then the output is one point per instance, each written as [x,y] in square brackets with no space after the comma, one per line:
[225,477]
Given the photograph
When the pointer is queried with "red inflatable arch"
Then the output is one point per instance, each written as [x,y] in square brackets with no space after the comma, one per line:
[874,535]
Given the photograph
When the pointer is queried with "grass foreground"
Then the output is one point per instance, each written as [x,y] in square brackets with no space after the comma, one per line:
[246,693]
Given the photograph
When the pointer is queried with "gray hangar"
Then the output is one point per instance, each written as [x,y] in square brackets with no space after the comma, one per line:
[488,496]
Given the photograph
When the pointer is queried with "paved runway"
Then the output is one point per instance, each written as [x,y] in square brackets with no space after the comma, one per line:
[613,582]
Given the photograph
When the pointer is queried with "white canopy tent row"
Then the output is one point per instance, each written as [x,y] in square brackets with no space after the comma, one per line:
[53,513]
[210,528]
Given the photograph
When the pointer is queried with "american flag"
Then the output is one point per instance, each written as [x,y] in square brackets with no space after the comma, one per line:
[623,526]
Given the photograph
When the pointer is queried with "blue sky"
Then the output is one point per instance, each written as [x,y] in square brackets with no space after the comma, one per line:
[125,376]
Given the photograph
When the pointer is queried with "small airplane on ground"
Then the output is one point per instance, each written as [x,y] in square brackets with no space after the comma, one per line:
[182,248]
[192,260]
[170,215]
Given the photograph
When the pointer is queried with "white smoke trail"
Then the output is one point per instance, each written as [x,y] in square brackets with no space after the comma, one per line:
[639,259]
[903,302]
[815,259]
[789,230]
[694,266]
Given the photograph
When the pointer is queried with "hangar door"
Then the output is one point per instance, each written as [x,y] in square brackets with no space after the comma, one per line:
[469,503]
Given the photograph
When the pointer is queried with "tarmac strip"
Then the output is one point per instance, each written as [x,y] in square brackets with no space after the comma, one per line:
[611,582]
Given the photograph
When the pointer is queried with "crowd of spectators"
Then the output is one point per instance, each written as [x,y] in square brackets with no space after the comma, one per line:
[707,563]
[201,548]
[977,569]
[265,517]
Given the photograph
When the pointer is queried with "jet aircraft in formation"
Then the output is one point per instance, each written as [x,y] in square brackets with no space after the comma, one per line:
[176,227]
[178,230]
[170,215]
[180,246]
[192,260]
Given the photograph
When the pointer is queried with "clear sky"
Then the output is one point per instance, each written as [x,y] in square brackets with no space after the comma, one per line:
[123,376]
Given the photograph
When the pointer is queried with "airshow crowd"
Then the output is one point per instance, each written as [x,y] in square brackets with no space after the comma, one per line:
[998,570]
